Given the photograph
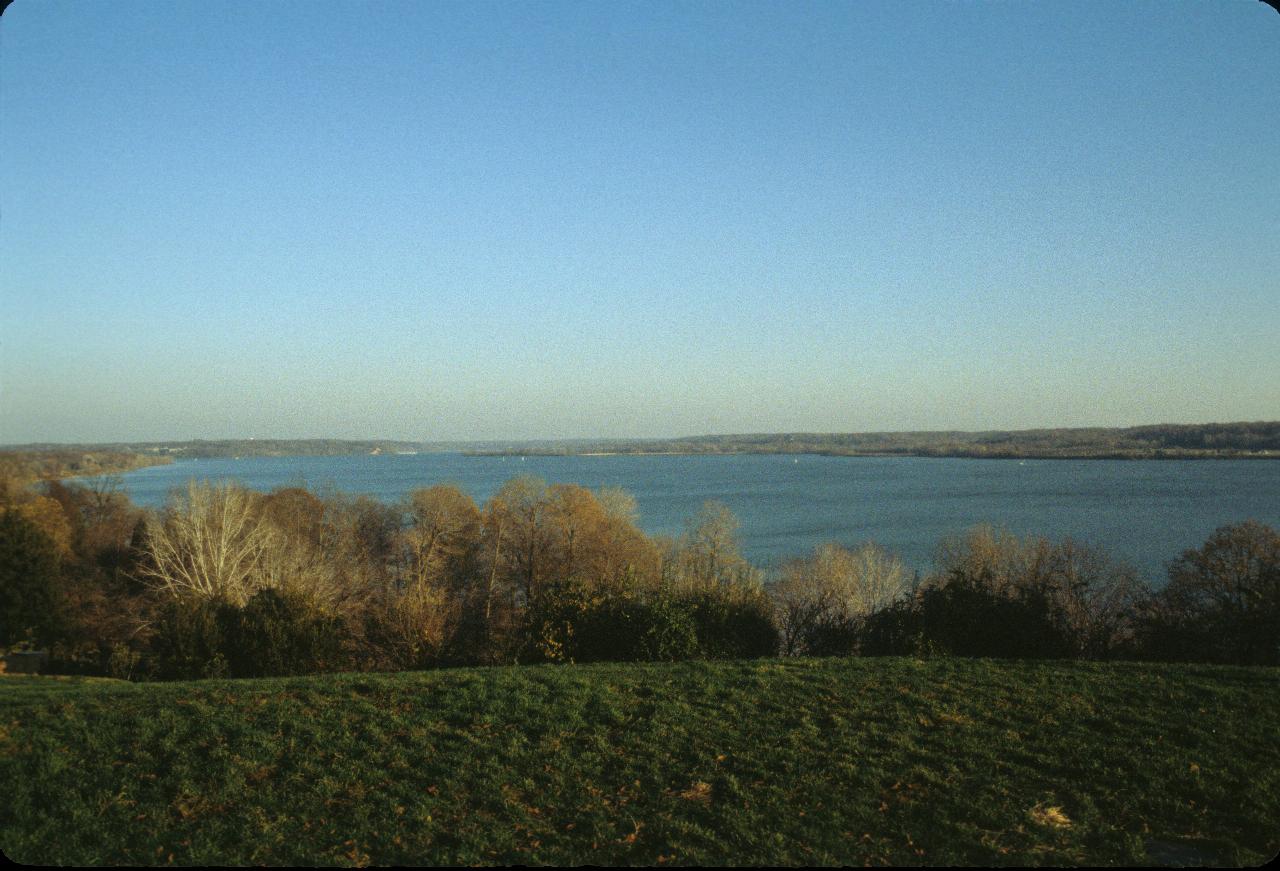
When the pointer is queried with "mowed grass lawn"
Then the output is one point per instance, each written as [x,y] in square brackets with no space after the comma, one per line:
[901,761]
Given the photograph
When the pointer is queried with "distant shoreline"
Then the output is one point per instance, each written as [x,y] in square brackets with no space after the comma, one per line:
[25,467]
[1243,440]
[1256,440]
[1165,455]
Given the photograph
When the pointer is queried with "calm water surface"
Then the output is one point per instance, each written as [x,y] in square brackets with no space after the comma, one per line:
[1143,511]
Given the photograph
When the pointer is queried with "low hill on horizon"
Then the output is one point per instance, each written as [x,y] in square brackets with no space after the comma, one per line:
[1158,441]
[1153,441]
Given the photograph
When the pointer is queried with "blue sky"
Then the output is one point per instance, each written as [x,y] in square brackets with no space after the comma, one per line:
[539,220]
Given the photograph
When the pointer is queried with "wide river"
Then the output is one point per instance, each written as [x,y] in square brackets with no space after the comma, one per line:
[1145,512]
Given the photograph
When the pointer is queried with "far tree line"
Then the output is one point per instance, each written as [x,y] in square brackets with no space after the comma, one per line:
[223,581]
[1259,439]
[1256,439]
[19,468]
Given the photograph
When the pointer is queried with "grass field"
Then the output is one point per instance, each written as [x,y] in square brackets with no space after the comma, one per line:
[851,761]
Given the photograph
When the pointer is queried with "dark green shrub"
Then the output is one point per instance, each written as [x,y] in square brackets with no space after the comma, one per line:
[276,634]
[626,628]
[567,624]
[967,617]
[188,641]
[733,624]
[832,638]
[552,622]
[29,575]
[1164,635]
[894,631]
[272,635]
[666,631]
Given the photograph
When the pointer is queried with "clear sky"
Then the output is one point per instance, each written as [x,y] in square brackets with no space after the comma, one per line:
[536,220]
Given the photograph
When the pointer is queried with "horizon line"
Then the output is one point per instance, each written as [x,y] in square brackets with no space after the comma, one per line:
[530,439]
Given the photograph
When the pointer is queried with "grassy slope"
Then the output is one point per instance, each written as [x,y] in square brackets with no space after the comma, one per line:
[824,761]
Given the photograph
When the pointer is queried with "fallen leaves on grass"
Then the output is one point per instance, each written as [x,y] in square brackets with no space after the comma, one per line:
[698,791]
[1050,816]
[631,838]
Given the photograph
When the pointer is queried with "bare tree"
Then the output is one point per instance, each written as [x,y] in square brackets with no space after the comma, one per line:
[1096,595]
[575,523]
[835,587]
[1228,590]
[708,555]
[419,613]
[1001,559]
[444,528]
[207,543]
[417,623]
[1093,594]
[626,557]
[1233,572]
[523,504]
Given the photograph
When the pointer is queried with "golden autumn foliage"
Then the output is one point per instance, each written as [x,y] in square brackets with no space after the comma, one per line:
[49,518]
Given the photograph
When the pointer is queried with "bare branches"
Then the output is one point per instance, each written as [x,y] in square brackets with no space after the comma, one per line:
[834,588]
[208,543]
